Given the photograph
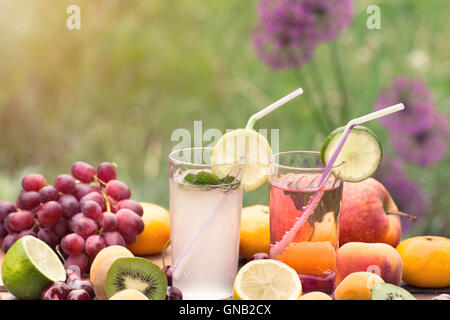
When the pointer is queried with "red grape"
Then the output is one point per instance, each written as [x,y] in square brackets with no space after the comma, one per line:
[108,221]
[26,233]
[84,226]
[174,293]
[132,205]
[91,209]
[28,200]
[73,218]
[86,285]
[72,244]
[81,189]
[56,291]
[48,236]
[6,223]
[9,240]
[117,190]
[65,183]
[113,238]
[78,262]
[6,207]
[19,221]
[83,171]
[78,294]
[50,213]
[169,274]
[3,231]
[94,244]
[106,172]
[48,193]
[94,196]
[69,205]
[129,223]
[61,228]
[33,182]
[128,238]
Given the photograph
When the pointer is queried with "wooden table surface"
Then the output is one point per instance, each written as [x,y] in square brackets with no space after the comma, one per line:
[419,293]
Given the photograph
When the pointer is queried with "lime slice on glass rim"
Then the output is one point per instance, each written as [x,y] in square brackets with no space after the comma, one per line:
[359,158]
[245,148]
[30,265]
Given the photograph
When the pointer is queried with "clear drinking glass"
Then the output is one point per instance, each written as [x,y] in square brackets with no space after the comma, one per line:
[205,227]
[313,250]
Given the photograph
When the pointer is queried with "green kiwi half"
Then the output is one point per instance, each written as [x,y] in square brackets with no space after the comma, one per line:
[136,273]
[386,291]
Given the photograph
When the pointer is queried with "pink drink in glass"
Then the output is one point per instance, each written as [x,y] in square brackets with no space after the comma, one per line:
[313,251]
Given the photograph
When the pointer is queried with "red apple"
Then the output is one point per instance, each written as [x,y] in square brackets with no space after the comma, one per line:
[368,214]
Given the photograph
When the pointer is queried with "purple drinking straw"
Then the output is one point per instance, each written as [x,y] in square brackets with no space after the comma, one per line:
[280,246]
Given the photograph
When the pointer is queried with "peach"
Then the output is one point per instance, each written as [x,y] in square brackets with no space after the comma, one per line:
[357,286]
[315,295]
[379,258]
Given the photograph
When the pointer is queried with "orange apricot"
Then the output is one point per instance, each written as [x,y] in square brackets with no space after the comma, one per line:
[315,258]
[357,286]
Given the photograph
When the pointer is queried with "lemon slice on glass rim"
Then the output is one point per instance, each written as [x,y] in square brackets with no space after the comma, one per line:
[245,148]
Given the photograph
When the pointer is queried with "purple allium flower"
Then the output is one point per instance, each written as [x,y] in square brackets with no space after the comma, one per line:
[330,17]
[284,37]
[419,106]
[407,195]
[427,147]
[289,30]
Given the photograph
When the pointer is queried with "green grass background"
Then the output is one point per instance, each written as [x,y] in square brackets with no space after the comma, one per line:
[116,89]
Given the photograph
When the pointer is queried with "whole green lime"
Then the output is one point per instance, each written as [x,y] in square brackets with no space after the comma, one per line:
[30,265]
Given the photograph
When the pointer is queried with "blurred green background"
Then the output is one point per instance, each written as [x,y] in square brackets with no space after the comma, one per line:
[116,89]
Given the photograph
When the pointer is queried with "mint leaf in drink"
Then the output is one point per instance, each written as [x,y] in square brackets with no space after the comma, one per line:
[205,180]
[227,179]
[208,178]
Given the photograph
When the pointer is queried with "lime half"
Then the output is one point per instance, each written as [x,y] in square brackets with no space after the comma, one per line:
[245,149]
[359,158]
[30,265]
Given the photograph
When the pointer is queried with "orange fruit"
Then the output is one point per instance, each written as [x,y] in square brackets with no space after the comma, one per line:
[426,261]
[315,258]
[255,232]
[156,231]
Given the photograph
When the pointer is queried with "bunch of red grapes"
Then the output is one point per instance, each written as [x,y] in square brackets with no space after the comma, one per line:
[78,216]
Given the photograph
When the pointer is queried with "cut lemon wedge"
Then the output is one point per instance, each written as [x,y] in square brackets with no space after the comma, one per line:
[267,279]
[243,148]
[359,158]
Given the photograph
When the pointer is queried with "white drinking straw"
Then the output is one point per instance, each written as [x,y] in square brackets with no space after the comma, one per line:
[272,107]
[279,247]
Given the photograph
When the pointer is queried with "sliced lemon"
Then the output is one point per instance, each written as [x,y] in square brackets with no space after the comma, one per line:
[267,279]
[245,149]
[361,154]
